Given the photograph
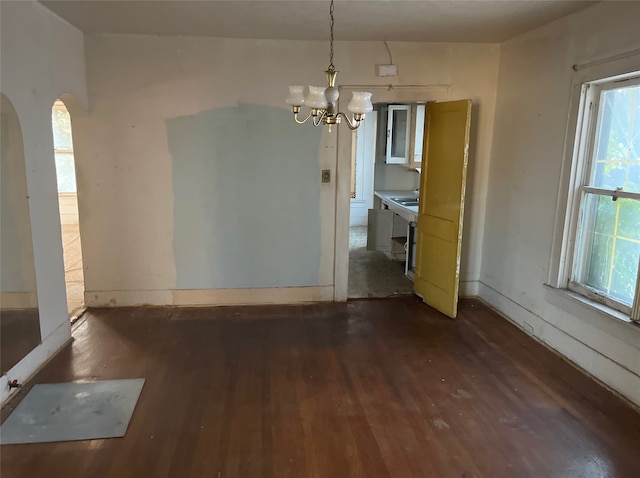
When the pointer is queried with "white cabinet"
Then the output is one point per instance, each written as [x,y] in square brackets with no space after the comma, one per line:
[417,138]
[405,134]
[379,230]
[387,232]
[398,134]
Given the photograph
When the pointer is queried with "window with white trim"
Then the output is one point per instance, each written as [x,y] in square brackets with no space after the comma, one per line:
[603,255]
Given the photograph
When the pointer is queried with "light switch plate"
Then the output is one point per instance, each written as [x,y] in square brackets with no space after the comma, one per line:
[326,176]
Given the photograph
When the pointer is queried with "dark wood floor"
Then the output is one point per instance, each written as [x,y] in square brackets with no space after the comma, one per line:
[365,389]
[19,335]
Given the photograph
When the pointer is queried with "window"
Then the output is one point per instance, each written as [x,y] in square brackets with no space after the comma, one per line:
[63,148]
[605,253]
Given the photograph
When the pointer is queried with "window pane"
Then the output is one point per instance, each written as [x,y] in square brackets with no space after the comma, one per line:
[65,172]
[61,129]
[625,270]
[611,241]
[629,219]
[399,134]
[600,262]
[617,146]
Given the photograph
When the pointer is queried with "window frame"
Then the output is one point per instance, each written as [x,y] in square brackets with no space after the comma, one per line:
[580,140]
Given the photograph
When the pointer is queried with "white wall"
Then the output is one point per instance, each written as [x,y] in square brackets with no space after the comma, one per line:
[532,107]
[144,186]
[42,58]
[17,278]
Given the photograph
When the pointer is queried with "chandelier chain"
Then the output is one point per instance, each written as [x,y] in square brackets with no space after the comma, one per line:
[331,66]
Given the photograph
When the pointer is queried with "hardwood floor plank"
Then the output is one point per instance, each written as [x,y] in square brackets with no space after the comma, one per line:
[375,389]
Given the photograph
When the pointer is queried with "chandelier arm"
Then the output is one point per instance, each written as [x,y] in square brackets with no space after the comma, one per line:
[295,117]
[328,115]
[317,120]
[352,125]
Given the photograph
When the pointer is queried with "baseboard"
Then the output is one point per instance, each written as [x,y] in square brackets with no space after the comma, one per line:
[208,297]
[19,300]
[601,367]
[24,370]
[468,288]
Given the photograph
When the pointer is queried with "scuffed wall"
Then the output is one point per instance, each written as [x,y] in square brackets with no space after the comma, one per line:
[532,107]
[165,210]
[42,58]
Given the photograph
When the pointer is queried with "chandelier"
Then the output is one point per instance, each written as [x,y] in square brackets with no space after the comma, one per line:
[322,101]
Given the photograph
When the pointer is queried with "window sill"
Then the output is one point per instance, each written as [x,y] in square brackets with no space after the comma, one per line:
[600,316]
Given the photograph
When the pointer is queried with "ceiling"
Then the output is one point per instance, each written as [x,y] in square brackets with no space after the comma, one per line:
[366,20]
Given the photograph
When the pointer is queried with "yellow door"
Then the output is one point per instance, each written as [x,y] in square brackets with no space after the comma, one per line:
[442,185]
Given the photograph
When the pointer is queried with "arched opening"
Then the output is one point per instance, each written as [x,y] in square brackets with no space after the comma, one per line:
[68,202]
[19,314]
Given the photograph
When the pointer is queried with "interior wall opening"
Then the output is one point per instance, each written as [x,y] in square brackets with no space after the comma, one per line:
[19,310]
[386,158]
[68,203]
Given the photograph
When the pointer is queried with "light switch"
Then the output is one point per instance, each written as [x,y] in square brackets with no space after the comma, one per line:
[326,176]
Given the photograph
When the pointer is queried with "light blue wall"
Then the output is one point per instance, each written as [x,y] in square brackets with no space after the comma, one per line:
[246,183]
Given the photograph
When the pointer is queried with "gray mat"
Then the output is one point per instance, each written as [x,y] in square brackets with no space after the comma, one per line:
[72,411]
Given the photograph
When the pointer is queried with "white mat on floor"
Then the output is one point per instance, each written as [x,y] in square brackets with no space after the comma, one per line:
[72,411]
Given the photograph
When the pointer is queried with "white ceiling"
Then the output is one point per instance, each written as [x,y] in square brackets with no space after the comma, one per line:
[398,20]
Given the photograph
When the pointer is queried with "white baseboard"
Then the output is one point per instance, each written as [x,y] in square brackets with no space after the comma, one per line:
[208,297]
[19,300]
[468,288]
[595,362]
[34,360]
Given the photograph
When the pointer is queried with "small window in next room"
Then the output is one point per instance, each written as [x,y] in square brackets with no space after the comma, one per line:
[603,248]
[63,148]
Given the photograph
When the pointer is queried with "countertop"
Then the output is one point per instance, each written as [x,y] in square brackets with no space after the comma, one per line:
[410,213]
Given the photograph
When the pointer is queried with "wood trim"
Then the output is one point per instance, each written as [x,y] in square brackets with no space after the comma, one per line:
[208,297]
[19,300]
[613,193]
[35,360]
[552,329]
[635,311]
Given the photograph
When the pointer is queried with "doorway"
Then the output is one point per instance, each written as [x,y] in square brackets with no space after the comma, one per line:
[402,94]
[377,270]
[68,204]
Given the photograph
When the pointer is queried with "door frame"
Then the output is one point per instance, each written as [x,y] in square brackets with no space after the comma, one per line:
[382,94]
[365,169]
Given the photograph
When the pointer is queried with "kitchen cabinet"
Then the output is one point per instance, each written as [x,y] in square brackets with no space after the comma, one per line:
[405,134]
[417,136]
[387,232]
[390,224]
[398,134]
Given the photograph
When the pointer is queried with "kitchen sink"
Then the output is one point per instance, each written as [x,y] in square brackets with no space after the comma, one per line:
[402,199]
[406,201]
